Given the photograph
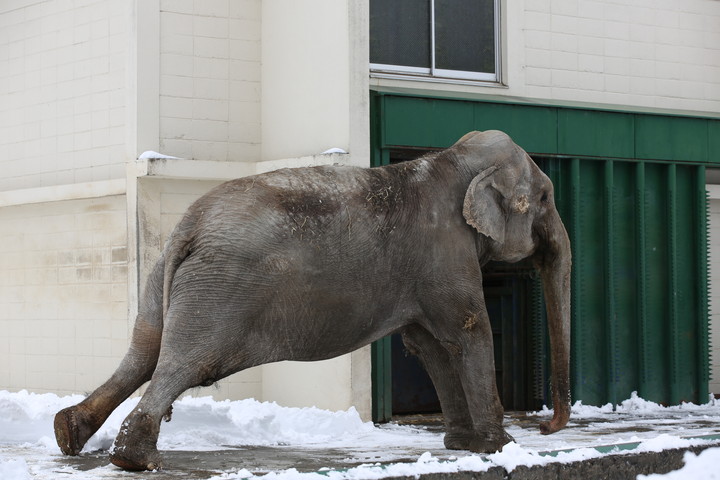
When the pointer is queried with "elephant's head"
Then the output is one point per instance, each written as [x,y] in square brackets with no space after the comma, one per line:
[510,202]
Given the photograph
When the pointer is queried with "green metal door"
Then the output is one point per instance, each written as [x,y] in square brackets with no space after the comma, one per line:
[630,188]
[638,231]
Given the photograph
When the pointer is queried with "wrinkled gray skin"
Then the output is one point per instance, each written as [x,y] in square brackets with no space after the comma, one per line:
[311,263]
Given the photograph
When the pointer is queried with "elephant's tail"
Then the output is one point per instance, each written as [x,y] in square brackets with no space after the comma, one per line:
[176,251]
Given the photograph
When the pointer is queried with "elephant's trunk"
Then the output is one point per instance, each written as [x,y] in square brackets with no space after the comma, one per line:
[554,264]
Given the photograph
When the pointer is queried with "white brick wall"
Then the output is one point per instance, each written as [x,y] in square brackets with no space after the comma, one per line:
[646,53]
[714,295]
[210,79]
[62,80]
[63,291]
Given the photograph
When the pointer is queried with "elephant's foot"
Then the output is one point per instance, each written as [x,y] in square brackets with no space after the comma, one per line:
[134,460]
[135,446]
[490,441]
[73,428]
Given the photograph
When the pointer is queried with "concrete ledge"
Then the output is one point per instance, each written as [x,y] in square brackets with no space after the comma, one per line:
[57,193]
[191,169]
[179,168]
[620,466]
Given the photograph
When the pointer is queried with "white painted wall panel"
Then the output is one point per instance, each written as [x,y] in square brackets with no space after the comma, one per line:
[714,295]
[62,78]
[63,300]
[210,80]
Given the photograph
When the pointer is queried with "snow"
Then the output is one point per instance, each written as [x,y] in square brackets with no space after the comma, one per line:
[697,467]
[28,448]
[152,155]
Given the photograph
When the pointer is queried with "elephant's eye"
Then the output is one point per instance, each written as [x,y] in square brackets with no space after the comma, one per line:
[544,197]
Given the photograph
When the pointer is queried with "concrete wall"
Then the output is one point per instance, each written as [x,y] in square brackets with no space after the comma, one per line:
[63,291]
[314,79]
[634,54]
[62,84]
[210,79]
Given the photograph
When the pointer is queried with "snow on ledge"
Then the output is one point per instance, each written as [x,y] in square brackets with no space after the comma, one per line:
[333,150]
[154,155]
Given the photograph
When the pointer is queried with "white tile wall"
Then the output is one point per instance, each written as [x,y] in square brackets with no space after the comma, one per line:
[210,79]
[62,78]
[714,295]
[660,54]
[63,294]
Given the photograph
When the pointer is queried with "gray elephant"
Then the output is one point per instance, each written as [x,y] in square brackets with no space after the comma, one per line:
[311,263]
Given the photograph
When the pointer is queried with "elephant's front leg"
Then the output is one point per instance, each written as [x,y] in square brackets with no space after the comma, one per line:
[459,432]
[474,358]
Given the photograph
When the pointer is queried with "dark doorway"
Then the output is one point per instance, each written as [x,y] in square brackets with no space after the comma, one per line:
[519,359]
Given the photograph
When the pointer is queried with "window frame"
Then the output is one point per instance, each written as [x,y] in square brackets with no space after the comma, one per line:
[434,74]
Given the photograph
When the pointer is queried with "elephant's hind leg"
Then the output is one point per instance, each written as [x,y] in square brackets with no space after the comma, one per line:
[75,425]
[136,444]
[186,360]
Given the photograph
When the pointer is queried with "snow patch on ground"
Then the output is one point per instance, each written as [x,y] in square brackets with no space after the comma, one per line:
[634,405]
[28,448]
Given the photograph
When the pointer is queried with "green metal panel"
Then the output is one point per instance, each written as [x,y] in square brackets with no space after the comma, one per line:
[589,348]
[622,281]
[378,155]
[416,122]
[631,191]
[533,128]
[680,139]
[655,338]
[713,141]
[686,308]
[599,134]
[639,301]
[381,380]
[410,121]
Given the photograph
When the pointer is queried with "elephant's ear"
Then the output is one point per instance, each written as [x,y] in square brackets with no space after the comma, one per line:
[482,209]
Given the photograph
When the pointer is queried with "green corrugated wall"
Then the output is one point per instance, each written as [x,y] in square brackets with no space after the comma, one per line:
[631,191]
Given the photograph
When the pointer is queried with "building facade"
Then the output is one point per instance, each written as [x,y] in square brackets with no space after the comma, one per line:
[228,88]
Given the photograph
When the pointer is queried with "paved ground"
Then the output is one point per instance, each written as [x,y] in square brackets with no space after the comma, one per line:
[582,432]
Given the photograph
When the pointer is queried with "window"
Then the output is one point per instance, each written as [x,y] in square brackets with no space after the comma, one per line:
[452,39]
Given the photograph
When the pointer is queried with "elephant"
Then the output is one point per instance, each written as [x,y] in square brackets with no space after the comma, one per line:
[310,263]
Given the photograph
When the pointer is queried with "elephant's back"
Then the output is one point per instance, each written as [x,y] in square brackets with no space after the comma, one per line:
[287,208]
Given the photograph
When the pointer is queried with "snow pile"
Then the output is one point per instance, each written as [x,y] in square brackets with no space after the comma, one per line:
[28,417]
[635,405]
[208,424]
[16,469]
[697,467]
[198,423]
